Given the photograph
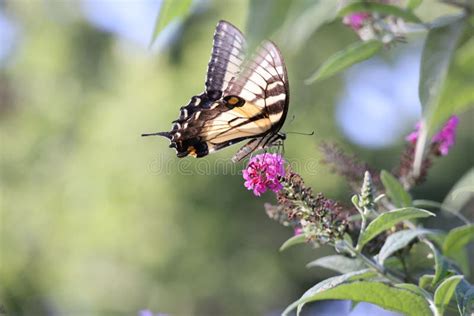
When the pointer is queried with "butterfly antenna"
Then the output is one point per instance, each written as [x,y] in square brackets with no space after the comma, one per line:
[299,133]
[164,134]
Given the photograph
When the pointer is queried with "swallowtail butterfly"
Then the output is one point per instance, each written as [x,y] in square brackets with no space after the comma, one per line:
[246,97]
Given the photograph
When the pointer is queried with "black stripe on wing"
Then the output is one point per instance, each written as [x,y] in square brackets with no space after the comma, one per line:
[228,54]
[263,82]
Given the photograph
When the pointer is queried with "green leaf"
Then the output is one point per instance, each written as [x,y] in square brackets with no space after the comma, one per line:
[294,240]
[333,282]
[441,264]
[337,263]
[413,4]
[386,220]
[264,18]
[412,287]
[343,59]
[364,6]
[437,55]
[445,292]
[388,297]
[461,193]
[455,242]
[458,238]
[399,240]
[304,18]
[465,297]
[447,74]
[426,280]
[169,11]
[395,190]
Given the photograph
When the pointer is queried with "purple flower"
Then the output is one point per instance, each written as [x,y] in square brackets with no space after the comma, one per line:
[443,140]
[446,137]
[147,312]
[298,231]
[356,20]
[262,173]
[413,136]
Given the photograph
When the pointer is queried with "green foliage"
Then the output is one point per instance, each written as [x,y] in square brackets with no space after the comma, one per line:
[389,219]
[303,19]
[343,59]
[445,292]
[395,190]
[458,239]
[460,194]
[338,263]
[455,243]
[441,265]
[413,4]
[386,296]
[294,240]
[364,6]
[329,284]
[465,297]
[170,10]
[399,240]
[265,17]
[438,53]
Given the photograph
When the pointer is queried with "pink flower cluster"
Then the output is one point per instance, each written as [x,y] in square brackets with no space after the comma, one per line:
[356,20]
[443,140]
[262,173]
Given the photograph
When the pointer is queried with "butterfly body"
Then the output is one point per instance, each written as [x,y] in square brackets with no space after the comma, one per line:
[245,98]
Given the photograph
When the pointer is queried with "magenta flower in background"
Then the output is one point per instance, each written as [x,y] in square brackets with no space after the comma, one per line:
[356,20]
[443,140]
[446,137]
[262,173]
[298,231]
[413,136]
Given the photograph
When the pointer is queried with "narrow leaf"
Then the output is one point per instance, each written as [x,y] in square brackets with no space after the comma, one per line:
[386,220]
[298,239]
[331,283]
[460,193]
[465,297]
[413,4]
[365,6]
[343,59]
[441,264]
[337,263]
[305,18]
[395,190]
[457,239]
[445,292]
[426,280]
[437,55]
[399,240]
[454,245]
[169,11]
[388,297]
[412,287]
[264,18]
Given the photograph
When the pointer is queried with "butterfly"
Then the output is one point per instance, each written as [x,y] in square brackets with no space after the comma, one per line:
[246,97]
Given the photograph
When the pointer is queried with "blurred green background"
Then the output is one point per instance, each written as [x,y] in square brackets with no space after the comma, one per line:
[96,220]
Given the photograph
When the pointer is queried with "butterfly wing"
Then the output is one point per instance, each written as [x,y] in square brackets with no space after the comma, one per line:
[262,91]
[244,98]
[228,53]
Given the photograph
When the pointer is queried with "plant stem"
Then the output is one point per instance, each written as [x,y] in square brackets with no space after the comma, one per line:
[375,266]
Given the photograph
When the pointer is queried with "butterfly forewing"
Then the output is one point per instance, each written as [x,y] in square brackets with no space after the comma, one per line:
[228,53]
